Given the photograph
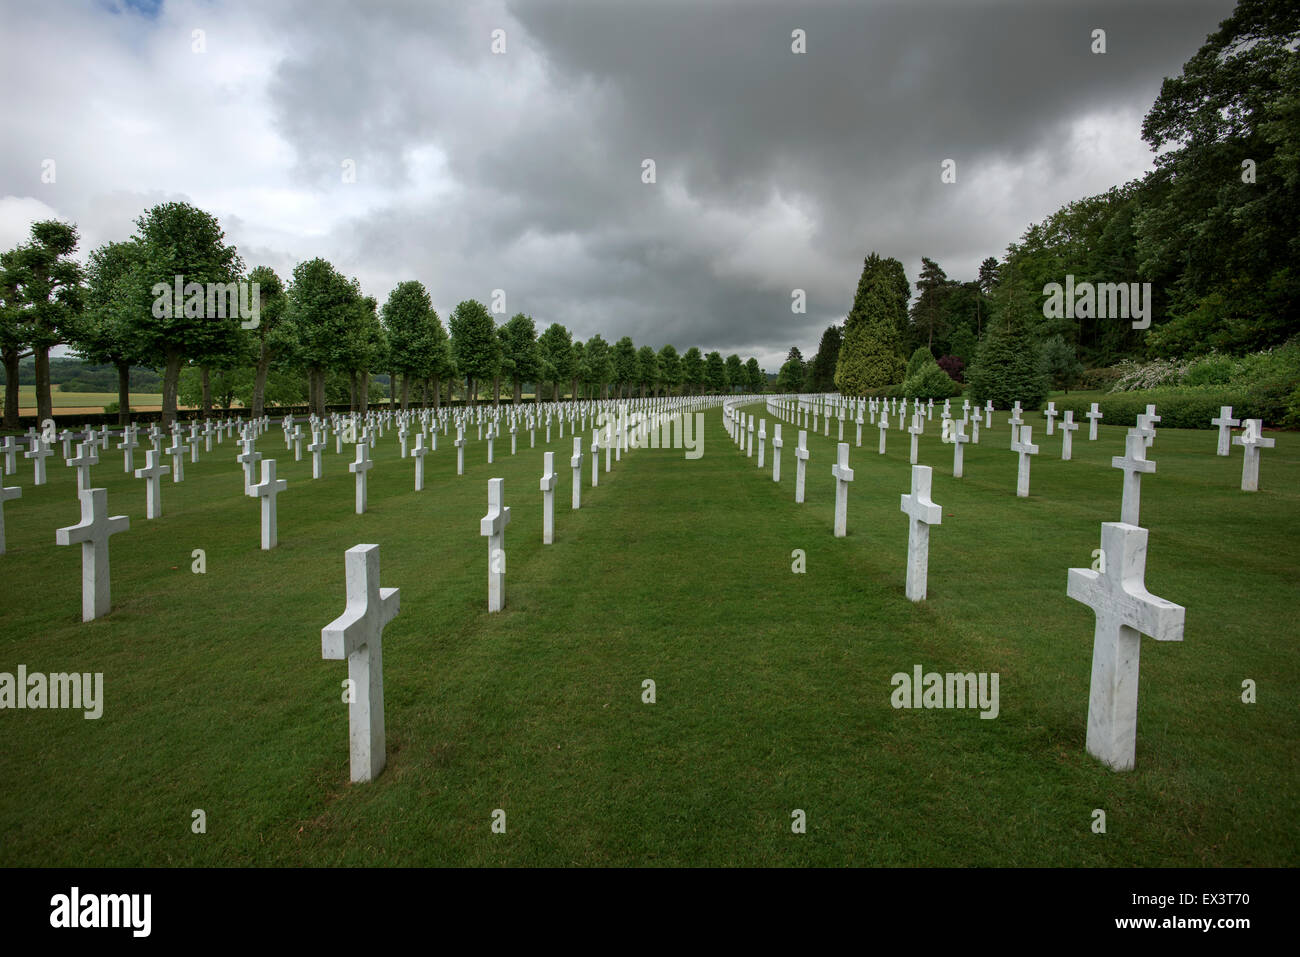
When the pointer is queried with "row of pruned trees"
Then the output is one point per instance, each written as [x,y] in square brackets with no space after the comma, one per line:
[121,308]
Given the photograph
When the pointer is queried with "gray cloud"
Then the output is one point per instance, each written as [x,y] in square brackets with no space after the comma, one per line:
[522,171]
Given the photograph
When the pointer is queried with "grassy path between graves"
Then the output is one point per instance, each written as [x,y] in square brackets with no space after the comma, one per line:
[773,688]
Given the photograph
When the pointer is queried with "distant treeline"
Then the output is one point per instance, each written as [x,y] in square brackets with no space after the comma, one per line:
[74,375]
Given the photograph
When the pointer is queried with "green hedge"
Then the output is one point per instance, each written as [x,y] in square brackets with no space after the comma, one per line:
[1185,408]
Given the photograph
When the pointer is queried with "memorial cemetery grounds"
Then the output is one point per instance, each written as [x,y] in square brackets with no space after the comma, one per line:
[772,687]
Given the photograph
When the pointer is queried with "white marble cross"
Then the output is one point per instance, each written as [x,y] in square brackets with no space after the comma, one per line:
[267,491]
[357,635]
[10,449]
[777,445]
[460,450]
[493,526]
[316,447]
[749,439]
[86,457]
[93,532]
[595,457]
[549,478]
[1025,447]
[1015,422]
[1093,415]
[800,466]
[491,438]
[127,447]
[152,473]
[921,513]
[1051,415]
[418,453]
[1152,420]
[1133,463]
[1225,422]
[762,440]
[988,414]
[248,459]
[1068,427]
[975,427]
[296,435]
[883,425]
[843,476]
[575,462]
[959,440]
[13,491]
[916,428]
[40,452]
[1252,440]
[360,467]
[1125,611]
[177,452]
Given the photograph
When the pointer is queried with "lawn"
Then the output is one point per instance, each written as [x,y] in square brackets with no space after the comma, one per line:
[84,401]
[773,688]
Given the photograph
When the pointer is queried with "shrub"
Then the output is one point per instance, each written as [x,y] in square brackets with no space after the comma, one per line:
[920,359]
[1184,408]
[953,366]
[930,382]
[1134,375]
[1099,379]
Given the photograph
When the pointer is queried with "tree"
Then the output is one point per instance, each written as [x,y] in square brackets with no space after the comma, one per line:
[1228,241]
[927,314]
[598,364]
[521,359]
[715,372]
[363,348]
[755,377]
[794,354]
[1007,368]
[115,295]
[13,338]
[790,378]
[821,371]
[623,365]
[272,338]
[555,347]
[321,308]
[474,344]
[1059,363]
[670,367]
[693,369]
[647,368]
[48,295]
[735,373]
[869,357]
[408,317]
[988,278]
[186,245]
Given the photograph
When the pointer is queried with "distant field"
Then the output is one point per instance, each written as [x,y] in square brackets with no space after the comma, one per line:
[84,401]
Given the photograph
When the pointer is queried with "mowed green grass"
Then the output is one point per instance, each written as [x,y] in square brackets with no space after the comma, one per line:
[94,401]
[773,688]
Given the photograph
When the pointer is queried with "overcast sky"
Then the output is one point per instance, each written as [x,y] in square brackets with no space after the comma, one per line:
[522,170]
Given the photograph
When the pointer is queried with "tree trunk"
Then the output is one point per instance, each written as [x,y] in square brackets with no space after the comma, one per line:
[123,392]
[11,388]
[259,383]
[406,390]
[363,390]
[44,403]
[207,392]
[352,392]
[437,390]
[171,379]
[496,392]
[573,393]
[519,392]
